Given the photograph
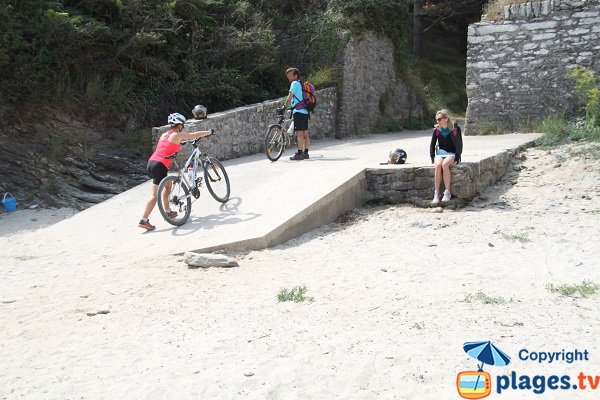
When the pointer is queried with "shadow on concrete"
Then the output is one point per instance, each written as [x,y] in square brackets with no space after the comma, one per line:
[229,214]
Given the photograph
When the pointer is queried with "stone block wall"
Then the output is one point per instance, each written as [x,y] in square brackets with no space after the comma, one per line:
[372,94]
[415,185]
[517,68]
[240,131]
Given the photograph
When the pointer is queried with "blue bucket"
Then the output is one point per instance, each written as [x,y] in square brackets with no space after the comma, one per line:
[9,203]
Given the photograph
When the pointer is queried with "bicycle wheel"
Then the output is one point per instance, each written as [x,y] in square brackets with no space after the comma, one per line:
[216,180]
[274,142]
[179,200]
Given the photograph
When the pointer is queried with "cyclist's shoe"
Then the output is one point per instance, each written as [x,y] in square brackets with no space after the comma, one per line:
[146,225]
[305,156]
[297,157]
[172,214]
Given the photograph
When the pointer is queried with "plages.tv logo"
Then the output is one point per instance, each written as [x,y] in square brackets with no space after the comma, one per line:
[478,384]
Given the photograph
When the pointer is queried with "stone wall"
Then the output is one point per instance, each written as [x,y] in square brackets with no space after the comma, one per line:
[415,185]
[240,131]
[373,97]
[517,68]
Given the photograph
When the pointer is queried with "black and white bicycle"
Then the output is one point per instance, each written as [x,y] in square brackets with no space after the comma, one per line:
[187,183]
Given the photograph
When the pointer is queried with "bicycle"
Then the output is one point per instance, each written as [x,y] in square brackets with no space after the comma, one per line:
[186,184]
[277,138]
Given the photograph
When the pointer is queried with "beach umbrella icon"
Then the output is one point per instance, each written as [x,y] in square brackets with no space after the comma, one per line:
[487,353]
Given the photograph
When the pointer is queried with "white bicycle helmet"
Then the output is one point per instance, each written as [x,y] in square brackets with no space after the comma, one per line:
[175,119]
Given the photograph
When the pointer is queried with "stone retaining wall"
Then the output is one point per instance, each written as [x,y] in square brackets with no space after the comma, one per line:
[373,96]
[517,69]
[415,185]
[240,131]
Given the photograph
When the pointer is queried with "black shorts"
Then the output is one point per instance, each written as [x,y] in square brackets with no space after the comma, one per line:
[157,171]
[300,122]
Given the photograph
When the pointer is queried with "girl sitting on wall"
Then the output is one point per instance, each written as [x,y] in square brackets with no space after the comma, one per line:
[445,154]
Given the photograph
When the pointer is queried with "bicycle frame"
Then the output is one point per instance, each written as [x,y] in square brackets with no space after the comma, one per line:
[193,160]
[289,138]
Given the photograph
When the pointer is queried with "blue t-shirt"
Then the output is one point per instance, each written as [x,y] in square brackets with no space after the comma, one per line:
[296,91]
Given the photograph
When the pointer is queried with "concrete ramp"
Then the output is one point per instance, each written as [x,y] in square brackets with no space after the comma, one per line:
[270,202]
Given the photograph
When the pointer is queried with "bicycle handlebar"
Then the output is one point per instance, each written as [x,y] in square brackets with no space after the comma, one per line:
[194,141]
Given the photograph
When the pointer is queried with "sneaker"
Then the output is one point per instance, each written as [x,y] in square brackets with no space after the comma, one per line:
[305,156]
[171,214]
[297,157]
[447,196]
[436,197]
[146,225]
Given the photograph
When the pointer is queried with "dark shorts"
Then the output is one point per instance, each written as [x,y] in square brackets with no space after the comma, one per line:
[300,122]
[157,171]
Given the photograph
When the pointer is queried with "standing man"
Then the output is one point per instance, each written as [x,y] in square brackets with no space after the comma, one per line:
[295,99]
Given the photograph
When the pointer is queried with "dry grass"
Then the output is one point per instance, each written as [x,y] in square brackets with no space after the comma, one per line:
[494,10]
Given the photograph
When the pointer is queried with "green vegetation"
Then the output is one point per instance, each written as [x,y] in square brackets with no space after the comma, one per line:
[559,130]
[516,237]
[490,128]
[587,88]
[138,140]
[297,294]
[442,69]
[584,289]
[145,58]
[484,298]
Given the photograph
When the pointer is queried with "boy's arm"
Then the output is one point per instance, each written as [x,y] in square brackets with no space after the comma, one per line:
[288,100]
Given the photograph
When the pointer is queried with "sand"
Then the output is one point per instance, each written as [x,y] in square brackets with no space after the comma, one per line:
[396,291]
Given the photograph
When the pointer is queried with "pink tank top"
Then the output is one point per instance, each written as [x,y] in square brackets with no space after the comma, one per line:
[165,148]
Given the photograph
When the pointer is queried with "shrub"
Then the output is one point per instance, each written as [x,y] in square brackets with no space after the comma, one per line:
[587,88]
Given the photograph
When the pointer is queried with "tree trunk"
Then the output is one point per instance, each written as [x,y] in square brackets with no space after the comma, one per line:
[417,29]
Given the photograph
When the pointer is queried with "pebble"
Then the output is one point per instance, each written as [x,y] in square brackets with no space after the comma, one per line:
[250,373]
[491,244]
[8,301]
[384,270]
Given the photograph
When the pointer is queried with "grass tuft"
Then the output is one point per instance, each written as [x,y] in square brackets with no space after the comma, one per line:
[516,237]
[484,298]
[585,289]
[297,294]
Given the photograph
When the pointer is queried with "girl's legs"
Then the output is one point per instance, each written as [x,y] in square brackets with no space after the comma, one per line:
[446,164]
[165,195]
[437,165]
[151,203]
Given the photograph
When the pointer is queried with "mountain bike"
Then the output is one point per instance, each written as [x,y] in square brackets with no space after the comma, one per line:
[187,183]
[277,138]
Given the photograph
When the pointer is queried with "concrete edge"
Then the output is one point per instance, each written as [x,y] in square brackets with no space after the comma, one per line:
[347,196]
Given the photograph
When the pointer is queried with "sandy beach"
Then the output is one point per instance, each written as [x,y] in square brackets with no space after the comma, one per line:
[395,292]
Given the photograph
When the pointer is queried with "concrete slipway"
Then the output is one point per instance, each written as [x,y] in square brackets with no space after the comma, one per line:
[270,202]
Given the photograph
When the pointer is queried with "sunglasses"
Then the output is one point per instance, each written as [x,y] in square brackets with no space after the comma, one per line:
[439,119]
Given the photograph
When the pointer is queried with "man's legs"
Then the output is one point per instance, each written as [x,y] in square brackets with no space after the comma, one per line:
[306,143]
[302,138]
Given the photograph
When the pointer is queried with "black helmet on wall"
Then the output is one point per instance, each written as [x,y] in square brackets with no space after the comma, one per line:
[397,156]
